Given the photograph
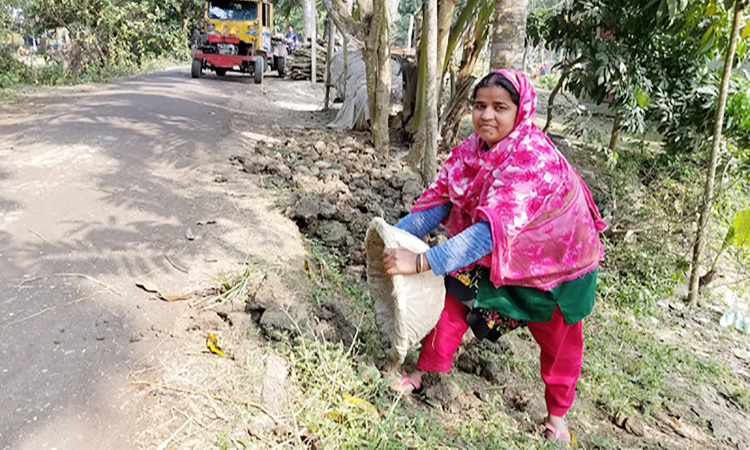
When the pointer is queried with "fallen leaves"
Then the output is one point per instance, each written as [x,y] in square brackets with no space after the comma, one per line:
[212,343]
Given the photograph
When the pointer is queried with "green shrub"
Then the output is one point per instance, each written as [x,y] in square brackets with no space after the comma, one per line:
[548,81]
[12,71]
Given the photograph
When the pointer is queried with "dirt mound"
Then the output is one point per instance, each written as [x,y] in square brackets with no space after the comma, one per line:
[335,188]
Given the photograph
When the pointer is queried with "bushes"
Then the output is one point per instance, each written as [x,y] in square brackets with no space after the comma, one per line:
[12,71]
[105,39]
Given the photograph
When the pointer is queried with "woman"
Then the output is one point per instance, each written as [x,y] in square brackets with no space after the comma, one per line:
[524,247]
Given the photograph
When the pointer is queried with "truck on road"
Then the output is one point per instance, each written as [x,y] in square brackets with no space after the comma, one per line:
[236,35]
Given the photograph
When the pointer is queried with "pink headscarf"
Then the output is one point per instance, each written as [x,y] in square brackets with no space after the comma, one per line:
[544,222]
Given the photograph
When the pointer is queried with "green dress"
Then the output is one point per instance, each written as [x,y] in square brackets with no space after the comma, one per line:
[575,298]
[494,311]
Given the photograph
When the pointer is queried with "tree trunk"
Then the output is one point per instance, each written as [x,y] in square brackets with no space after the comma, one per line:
[614,137]
[551,101]
[429,165]
[349,4]
[551,104]
[373,27]
[456,109]
[418,115]
[384,76]
[509,33]
[377,56]
[307,21]
[410,31]
[715,147]
[410,75]
[444,21]
[473,38]
[345,49]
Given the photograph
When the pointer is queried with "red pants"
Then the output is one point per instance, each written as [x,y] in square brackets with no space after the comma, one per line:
[561,351]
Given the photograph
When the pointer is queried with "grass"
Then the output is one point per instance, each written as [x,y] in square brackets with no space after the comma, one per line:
[51,74]
[329,263]
[628,367]
[342,408]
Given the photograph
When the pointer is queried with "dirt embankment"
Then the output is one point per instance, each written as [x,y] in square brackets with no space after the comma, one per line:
[335,188]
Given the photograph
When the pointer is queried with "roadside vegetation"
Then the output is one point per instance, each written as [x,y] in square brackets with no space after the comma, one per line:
[77,42]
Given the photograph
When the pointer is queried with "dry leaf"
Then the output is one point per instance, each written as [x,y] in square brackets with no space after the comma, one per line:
[148,287]
[212,343]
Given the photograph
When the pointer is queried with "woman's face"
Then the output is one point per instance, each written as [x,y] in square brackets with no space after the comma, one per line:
[493,114]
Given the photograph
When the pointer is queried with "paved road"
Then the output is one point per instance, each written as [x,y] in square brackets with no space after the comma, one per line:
[98,185]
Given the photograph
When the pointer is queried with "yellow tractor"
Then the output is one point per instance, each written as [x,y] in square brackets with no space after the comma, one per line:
[236,35]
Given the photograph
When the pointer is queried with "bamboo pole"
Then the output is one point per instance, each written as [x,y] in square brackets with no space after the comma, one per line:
[346,63]
[715,148]
[329,56]
[314,41]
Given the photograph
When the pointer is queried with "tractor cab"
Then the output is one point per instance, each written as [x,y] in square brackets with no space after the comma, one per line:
[235,35]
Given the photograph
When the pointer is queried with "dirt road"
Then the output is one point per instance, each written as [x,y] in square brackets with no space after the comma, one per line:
[102,186]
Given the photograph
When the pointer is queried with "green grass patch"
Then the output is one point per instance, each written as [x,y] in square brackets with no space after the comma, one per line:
[348,404]
[328,262]
[341,408]
[15,74]
[627,368]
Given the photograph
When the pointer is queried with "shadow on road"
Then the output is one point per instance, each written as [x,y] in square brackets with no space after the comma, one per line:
[106,183]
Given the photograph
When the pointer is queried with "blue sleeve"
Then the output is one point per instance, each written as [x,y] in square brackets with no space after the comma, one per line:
[422,222]
[461,250]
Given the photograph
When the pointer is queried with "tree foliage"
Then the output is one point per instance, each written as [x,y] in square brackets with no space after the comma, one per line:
[650,59]
[114,34]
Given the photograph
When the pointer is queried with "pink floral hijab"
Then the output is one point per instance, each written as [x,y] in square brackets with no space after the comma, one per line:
[544,222]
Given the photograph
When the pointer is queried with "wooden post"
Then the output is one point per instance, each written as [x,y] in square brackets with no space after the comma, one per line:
[313,43]
[350,8]
[329,56]
[411,30]
[346,63]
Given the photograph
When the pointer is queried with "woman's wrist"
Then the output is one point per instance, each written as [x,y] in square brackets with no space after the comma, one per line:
[421,263]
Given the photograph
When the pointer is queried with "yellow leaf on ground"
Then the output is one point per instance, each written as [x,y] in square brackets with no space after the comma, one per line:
[364,405]
[212,343]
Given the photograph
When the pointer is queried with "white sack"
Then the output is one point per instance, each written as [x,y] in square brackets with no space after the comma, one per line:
[407,307]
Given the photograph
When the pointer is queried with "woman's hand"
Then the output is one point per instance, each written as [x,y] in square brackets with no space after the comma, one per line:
[401,262]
